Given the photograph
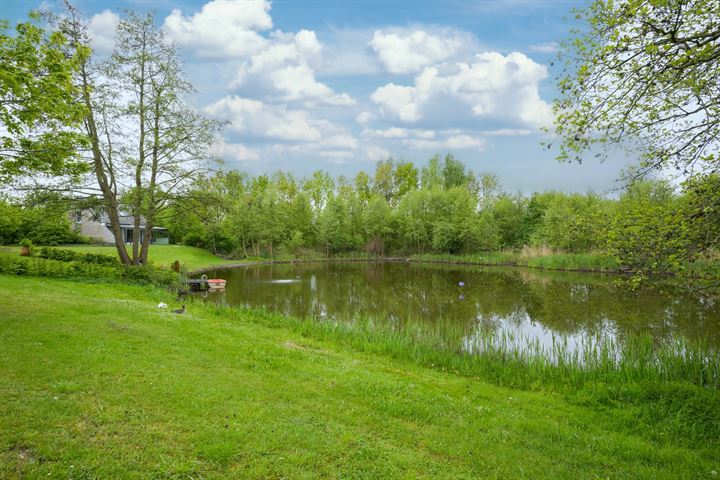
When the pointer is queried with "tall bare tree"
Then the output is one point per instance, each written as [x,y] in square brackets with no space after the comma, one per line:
[147,144]
[171,140]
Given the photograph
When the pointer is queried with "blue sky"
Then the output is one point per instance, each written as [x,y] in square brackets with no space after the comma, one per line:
[339,85]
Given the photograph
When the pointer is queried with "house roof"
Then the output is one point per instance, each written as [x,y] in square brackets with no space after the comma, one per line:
[126,220]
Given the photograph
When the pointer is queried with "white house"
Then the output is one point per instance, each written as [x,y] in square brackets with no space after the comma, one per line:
[97,227]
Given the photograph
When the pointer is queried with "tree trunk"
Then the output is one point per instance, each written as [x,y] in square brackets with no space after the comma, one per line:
[136,238]
[137,207]
[109,195]
[147,240]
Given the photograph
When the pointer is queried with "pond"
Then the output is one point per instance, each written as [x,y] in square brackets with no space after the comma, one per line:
[465,305]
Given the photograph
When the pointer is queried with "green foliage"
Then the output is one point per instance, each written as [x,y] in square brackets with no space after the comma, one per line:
[650,229]
[654,230]
[10,223]
[646,230]
[52,262]
[509,212]
[453,173]
[44,223]
[574,223]
[65,255]
[38,107]
[335,227]
[643,73]
[458,228]
[146,274]
[377,222]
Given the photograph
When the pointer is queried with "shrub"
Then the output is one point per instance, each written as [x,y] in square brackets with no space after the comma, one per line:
[145,274]
[65,255]
[54,262]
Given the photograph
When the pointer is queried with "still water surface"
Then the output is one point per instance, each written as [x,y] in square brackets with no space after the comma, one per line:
[469,302]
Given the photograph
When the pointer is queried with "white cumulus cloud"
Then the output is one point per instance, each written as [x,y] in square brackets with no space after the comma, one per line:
[253,117]
[374,153]
[282,62]
[409,52]
[363,117]
[399,100]
[101,28]
[460,142]
[493,86]
[234,152]
[298,83]
[222,28]
[397,132]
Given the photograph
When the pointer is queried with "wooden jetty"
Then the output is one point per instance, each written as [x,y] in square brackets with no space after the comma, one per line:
[197,284]
[203,284]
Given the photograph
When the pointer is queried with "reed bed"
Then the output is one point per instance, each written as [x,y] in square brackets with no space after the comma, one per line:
[533,257]
[512,359]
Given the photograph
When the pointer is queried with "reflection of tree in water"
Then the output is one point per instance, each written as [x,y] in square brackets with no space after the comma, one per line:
[423,296]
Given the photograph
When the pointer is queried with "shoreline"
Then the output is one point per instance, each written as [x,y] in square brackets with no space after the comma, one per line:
[409,260]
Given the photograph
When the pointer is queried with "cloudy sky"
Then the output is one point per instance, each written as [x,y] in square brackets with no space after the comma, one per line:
[339,85]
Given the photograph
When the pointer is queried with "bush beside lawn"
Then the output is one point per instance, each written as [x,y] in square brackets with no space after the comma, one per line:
[159,255]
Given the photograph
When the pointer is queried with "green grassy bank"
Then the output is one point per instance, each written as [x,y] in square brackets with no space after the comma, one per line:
[96,382]
[160,255]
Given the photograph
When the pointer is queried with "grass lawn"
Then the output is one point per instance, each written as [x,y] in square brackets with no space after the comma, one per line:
[96,382]
[163,255]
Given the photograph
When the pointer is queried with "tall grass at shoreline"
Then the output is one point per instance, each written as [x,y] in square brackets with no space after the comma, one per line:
[673,387]
[516,360]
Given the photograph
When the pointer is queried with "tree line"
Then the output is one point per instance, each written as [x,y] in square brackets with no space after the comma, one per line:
[400,209]
[116,132]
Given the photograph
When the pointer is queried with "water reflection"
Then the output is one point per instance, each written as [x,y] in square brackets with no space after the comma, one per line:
[466,303]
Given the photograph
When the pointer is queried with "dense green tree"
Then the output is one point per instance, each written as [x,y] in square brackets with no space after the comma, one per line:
[302,226]
[39,111]
[488,189]
[701,205]
[10,222]
[432,175]
[573,223]
[405,178]
[645,232]
[509,211]
[454,173]
[649,229]
[41,218]
[384,181]
[534,216]
[362,186]
[457,227]
[655,230]
[319,188]
[414,219]
[377,224]
[335,230]
[644,73]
